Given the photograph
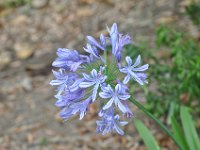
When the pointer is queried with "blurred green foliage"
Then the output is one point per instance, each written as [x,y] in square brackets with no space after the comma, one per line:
[193,11]
[176,73]
[15,3]
[185,132]
[146,135]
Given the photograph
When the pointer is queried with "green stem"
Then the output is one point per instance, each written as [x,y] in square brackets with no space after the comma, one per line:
[157,121]
[105,57]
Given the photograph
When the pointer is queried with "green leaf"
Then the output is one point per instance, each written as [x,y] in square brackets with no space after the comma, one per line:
[171,112]
[189,129]
[148,138]
[178,133]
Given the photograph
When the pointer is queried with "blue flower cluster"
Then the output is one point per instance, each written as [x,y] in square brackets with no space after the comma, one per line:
[83,79]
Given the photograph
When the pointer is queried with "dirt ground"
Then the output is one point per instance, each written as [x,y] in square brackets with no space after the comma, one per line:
[29,37]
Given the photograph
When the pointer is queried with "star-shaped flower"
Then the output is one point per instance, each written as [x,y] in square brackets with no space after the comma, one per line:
[110,123]
[65,81]
[132,70]
[115,97]
[94,79]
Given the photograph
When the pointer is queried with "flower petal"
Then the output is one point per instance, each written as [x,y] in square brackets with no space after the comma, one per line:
[126,79]
[136,78]
[94,94]
[124,70]
[87,77]
[123,123]
[57,82]
[142,68]
[137,62]
[86,84]
[75,85]
[93,42]
[118,129]
[118,88]
[104,95]
[124,97]
[120,105]
[128,60]
[94,73]
[103,40]
[108,104]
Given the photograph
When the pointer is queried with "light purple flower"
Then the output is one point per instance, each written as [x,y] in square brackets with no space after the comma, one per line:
[94,79]
[115,97]
[123,40]
[76,107]
[93,42]
[82,79]
[69,59]
[128,113]
[65,81]
[118,41]
[132,70]
[110,123]
[92,50]
[69,97]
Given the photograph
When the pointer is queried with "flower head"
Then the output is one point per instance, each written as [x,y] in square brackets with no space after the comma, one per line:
[84,79]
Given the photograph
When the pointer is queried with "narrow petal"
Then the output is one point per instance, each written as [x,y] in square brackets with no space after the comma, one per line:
[56,82]
[63,52]
[94,73]
[87,77]
[75,85]
[108,104]
[91,50]
[93,42]
[142,68]
[126,79]
[124,97]
[114,28]
[120,105]
[114,38]
[128,60]
[123,123]
[104,95]
[94,94]
[103,40]
[55,73]
[119,130]
[86,84]
[82,114]
[60,103]
[118,88]
[136,78]
[75,66]
[124,70]
[137,62]
[59,63]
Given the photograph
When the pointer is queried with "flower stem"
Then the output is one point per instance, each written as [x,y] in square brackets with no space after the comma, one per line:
[105,57]
[157,121]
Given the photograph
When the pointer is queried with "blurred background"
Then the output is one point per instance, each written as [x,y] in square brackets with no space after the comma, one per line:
[165,32]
